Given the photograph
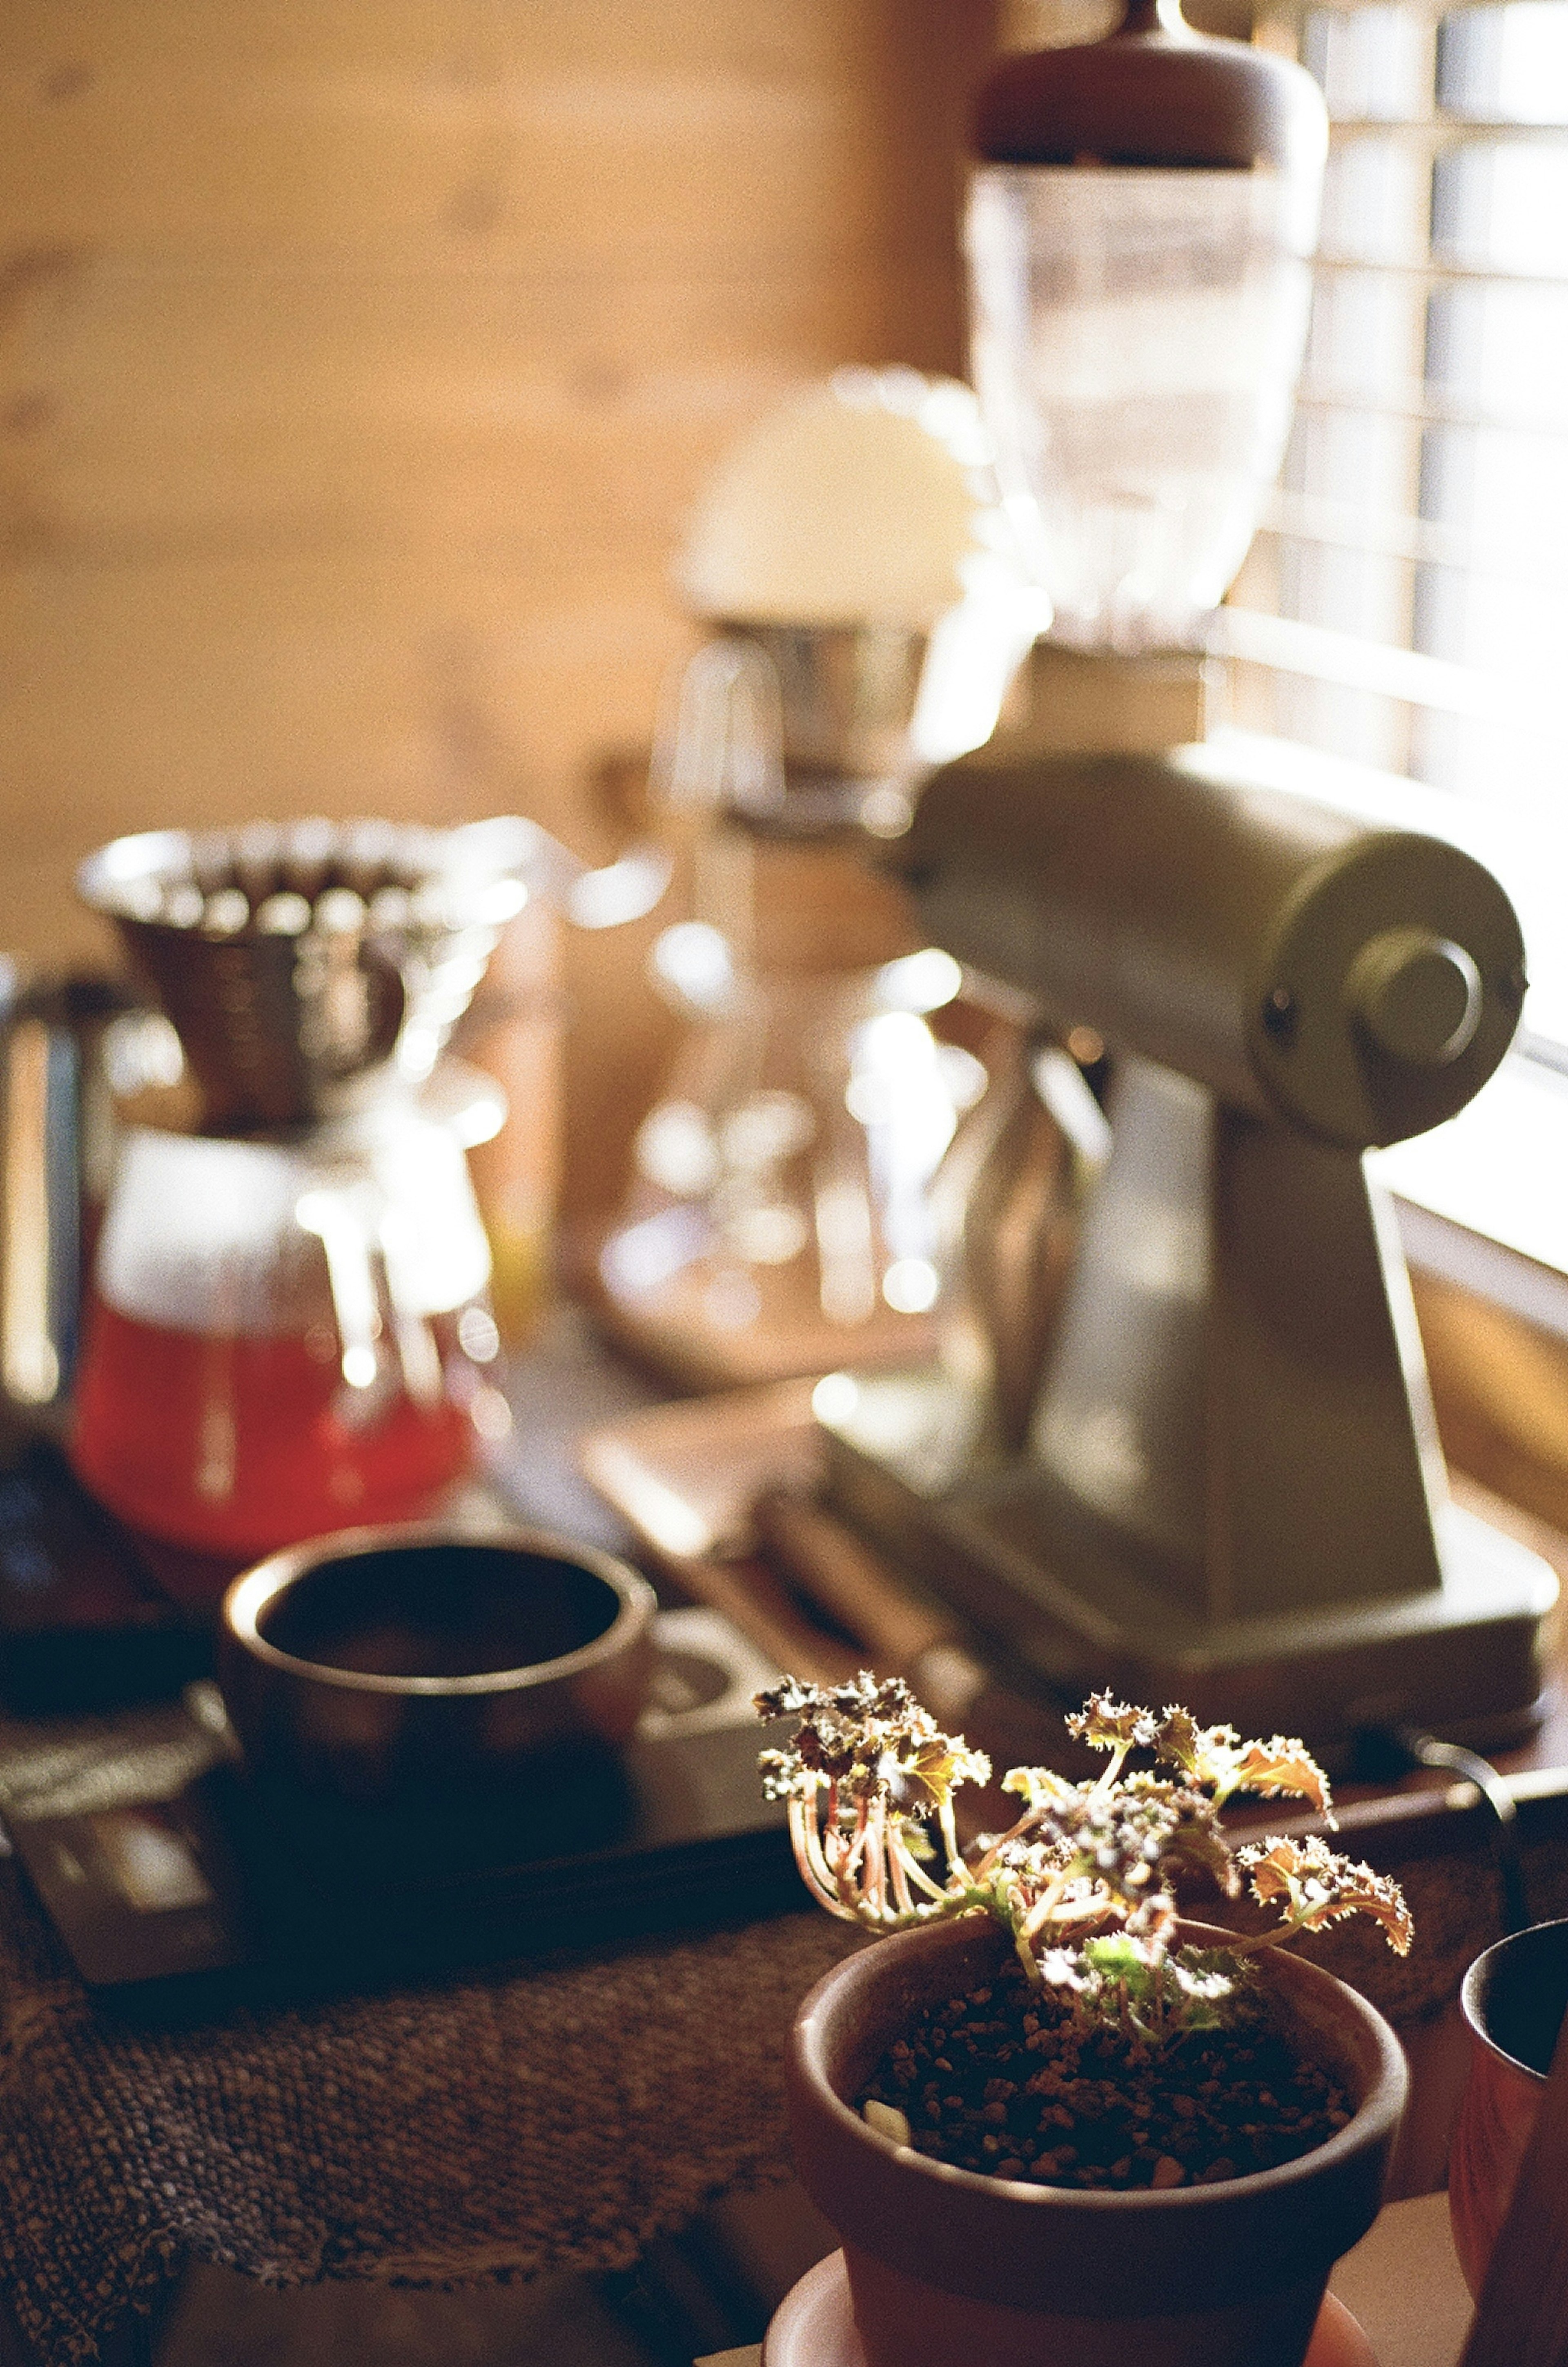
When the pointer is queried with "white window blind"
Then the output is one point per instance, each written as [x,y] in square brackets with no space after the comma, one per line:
[1407,604]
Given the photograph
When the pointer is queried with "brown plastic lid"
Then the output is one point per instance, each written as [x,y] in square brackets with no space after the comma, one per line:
[1153,93]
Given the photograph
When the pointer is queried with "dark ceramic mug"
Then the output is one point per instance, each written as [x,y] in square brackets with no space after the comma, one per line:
[385,1662]
[1513,2000]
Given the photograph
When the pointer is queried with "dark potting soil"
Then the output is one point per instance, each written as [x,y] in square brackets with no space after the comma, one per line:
[999,2081]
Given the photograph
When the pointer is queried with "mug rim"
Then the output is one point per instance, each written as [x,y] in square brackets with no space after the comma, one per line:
[1475,1981]
[249,1594]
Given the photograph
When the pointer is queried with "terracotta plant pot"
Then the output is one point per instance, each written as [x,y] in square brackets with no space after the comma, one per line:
[948,2268]
[1513,2000]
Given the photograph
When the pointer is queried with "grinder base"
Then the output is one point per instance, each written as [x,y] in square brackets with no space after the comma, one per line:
[1059,1600]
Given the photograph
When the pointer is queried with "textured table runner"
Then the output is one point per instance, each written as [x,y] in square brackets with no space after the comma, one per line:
[496,2127]
[491,2128]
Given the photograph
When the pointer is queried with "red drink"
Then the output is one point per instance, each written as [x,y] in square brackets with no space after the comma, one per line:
[239,1443]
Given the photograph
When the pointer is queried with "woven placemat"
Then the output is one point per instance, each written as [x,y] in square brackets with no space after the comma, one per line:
[500,2126]
[490,2129]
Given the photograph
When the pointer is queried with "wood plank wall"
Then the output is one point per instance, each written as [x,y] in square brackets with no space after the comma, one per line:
[358,360]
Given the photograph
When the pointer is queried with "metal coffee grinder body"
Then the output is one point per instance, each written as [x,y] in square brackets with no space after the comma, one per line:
[1232,1493]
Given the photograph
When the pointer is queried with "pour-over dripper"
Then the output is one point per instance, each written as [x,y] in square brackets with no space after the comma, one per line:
[295,959]
[843,696]
[778,1220]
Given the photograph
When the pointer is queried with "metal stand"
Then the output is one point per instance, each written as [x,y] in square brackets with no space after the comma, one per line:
[1233,1494]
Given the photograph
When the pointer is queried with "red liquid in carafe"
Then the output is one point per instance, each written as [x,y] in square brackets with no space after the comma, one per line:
[240,1445]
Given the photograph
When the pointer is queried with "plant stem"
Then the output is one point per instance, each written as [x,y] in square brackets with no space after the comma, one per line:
[901,1898]
[950,1838]
[916,1872]
[810,1862]
[1017,1831]
[1247,1944]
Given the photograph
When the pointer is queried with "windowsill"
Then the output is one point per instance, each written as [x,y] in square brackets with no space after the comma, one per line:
[1484,1200]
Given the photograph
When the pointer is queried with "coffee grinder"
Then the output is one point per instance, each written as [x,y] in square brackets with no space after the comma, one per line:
[1231,1493]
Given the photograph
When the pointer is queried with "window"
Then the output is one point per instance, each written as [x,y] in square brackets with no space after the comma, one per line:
[1425,503]
[1420,538]
[1406,604]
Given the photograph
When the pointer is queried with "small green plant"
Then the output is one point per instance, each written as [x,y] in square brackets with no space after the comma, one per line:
[1086,1878]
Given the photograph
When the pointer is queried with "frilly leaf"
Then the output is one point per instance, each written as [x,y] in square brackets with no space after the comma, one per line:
[939,1764]
[1195,1837]
[785,1777]
[1201,1974]
[869,1736]
[1283,1765]
[1038,1787]
[1197,1750]
[1106,1725]
[1120,1955]
[1319,1887]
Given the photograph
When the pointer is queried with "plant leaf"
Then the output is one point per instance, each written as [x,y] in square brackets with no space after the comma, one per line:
[1319,1887]
[1195,1836]
[1039,1787]
[1179,1740]
[1207,1973]
[1106,1725]
[939,1765]
[1283,1765]
[1121,1957]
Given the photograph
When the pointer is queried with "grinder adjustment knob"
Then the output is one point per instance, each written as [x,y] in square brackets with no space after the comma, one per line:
[1417,995]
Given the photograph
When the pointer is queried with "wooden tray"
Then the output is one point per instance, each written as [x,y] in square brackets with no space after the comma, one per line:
[720,1493]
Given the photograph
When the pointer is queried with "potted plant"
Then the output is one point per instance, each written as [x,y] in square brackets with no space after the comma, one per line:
[1052,2121]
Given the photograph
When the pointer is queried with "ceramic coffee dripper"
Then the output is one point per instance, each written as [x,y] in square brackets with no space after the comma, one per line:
[1513,2000]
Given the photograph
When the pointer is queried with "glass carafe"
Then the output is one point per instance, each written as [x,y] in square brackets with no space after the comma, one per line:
[288,1336]
[780,1219]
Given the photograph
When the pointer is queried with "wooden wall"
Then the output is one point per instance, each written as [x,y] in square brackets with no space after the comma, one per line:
[358,360]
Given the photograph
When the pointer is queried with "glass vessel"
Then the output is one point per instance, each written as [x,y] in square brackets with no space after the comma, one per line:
[781,1218]
[286,1337]
[289,1318]
[1137,335]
